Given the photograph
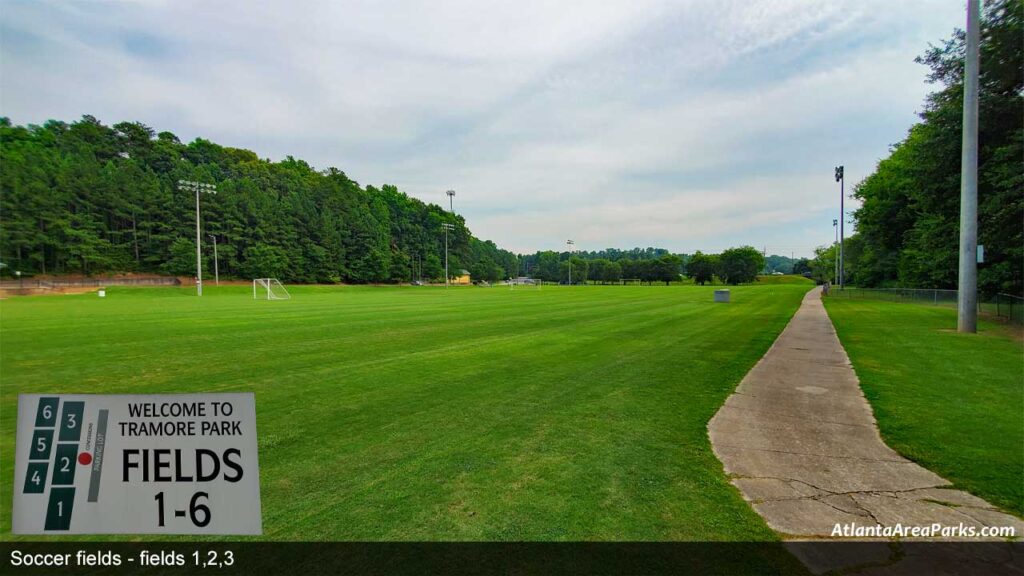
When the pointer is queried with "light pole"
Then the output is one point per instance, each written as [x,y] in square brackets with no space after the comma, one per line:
[835,248]
[197,187]
[446,227]
[216,267]
[451,201]
[570,244]
[18,274]
[967,293]
[842,220]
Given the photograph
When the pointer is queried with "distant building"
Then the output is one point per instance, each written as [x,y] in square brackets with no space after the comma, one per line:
[462,278]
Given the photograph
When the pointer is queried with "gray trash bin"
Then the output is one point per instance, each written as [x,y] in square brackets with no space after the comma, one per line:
[721,295]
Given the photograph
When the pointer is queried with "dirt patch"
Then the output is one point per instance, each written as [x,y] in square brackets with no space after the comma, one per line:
[8,292]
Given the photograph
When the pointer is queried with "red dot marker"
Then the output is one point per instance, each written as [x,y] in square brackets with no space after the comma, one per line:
[85,458]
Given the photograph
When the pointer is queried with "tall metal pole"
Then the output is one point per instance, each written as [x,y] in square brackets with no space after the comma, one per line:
[446,227]
[570,243]
[835,251]
[842,221]
[451,201]
[199,254]
[216,266]
[197,187]
[967,293]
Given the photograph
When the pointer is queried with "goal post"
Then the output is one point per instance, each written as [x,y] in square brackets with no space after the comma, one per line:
[524,282]
[269,289]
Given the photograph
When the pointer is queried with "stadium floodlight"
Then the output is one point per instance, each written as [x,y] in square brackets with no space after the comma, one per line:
[216,267]
[451,201]
[570,244]
[197,187]
[842,220]
[446,227]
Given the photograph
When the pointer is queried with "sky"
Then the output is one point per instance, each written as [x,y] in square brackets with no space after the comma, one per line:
[687,125]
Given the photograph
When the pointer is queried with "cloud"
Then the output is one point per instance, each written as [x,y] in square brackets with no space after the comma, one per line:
[688,125]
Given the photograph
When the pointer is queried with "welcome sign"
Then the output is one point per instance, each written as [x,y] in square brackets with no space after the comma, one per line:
[136,464]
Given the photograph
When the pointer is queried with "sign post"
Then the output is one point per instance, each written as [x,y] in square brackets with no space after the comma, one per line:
[136,464]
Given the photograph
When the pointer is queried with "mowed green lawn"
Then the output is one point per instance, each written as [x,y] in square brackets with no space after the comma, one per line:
[952,402]
[419,413]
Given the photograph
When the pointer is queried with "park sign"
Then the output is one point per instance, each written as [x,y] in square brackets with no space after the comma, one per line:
[136,464]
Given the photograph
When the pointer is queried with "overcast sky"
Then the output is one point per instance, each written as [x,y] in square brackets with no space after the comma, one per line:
[683,125]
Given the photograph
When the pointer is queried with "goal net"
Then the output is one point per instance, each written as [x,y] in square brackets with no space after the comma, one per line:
[269,289]
[524,283]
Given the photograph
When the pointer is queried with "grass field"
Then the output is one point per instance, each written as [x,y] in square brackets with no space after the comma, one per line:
[952,402]
[405,413]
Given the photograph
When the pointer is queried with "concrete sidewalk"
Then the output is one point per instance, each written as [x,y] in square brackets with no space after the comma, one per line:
[799,440]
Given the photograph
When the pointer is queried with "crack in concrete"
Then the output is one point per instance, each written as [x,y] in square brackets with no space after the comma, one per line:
[864,458]
[828,492]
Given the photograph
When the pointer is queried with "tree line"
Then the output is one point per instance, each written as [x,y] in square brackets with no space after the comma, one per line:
[610,265]
[908,225]
[87,198]
[732,266]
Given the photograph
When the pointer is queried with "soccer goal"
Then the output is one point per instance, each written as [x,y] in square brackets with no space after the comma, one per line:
[269,289]
[525,283]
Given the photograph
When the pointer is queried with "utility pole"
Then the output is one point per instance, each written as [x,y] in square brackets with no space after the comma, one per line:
[197,187]
[216,267]
[570,244]
[451,201]
[446,227]
[842,220]
[967,293]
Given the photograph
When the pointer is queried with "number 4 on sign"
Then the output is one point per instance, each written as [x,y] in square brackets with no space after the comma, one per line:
[35,480]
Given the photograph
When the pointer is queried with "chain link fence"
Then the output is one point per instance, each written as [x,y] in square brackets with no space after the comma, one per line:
[1004,306]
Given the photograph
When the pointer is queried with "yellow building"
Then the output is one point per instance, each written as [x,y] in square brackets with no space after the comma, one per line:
[462,278]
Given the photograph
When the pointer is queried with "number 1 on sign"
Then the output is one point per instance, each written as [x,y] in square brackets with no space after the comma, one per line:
[160,508]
